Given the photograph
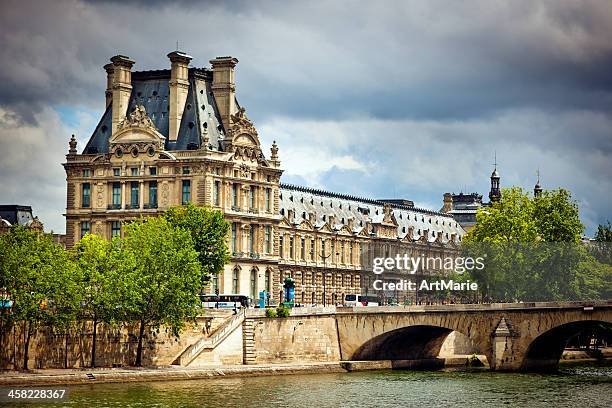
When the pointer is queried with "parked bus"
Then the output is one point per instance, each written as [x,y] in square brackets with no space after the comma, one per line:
[224,301]
[360,300]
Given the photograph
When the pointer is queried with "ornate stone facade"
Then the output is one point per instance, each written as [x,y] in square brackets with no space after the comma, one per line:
[171,144]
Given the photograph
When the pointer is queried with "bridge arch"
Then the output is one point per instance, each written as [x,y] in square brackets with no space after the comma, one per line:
[545,351]
[406,343]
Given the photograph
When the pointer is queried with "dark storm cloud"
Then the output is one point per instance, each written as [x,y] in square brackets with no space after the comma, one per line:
[332,59]
[433,87]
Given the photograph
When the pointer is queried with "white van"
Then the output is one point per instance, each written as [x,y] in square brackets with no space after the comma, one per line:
[360,300]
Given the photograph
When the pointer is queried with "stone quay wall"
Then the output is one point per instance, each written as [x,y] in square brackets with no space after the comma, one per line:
[115,346]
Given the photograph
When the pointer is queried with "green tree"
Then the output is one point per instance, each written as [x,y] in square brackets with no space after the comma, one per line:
[104,288]
[530,245]
[39,275]
[163,266]
[556,216]
[604,232]
[208,229]
[517,217]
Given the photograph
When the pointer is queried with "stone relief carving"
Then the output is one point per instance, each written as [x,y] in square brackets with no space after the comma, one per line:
[138,117]
[240,123]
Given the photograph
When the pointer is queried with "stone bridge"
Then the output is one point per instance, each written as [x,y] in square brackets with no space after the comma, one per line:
[521,336]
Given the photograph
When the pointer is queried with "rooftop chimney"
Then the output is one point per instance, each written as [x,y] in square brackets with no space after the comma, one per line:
[109,68]
[179,86]
[121,87]
[224,87]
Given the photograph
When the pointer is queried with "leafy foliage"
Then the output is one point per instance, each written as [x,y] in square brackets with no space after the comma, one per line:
[40,278]
[165,271]
[105,290]
[516,217]
[533,251]
[283,311]
[208,230]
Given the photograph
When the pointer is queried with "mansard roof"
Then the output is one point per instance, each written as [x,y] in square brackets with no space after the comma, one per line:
[360,211]
[151,89]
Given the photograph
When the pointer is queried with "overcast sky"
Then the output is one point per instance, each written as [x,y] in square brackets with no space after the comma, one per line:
[405,99]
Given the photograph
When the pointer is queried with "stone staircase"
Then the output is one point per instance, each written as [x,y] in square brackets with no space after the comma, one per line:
[212,341]
[248,341]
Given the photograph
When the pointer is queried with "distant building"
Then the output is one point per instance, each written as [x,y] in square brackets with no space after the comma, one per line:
[463,207]
[18,215]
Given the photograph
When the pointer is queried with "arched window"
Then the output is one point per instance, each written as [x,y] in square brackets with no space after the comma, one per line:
[235,280]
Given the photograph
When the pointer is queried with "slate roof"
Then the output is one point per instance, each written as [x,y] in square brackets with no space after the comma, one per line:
[304,201]
[16,214]
[151,89]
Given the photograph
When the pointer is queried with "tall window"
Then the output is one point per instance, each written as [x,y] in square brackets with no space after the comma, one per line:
[268,281]
[86,195]
[313,254]
[268,199]
[85,228]
[234,236]
[350,252]
[280,246]
[234,195]
[216,188]
[303,249]
[253,284]
[216,283]
[134,194]
[333,250]
[268,239]
[186,196]
[252,239]
[252,191]
[116,228]
[153,194]
[117,195]
[235,277]
[323,248]
[290,247]
[342,259]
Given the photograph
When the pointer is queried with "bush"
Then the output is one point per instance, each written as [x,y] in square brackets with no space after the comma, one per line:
[283,311]
[474,361]
[270,312]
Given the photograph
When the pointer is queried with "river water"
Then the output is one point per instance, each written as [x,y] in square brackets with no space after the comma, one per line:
[579,386]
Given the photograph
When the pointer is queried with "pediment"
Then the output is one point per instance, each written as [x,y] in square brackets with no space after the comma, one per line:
[345,230]
[245,139]
[325,228]
[305,225]
[284,222]
[137,127]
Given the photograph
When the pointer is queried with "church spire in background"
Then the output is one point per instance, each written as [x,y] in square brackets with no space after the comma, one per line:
[537,190]
[495,194]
